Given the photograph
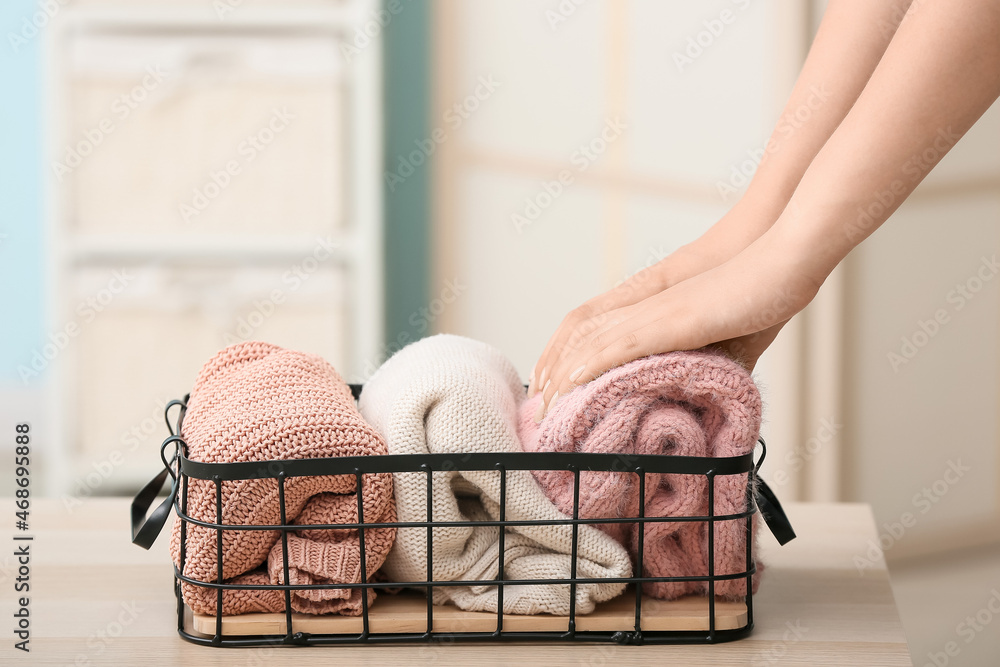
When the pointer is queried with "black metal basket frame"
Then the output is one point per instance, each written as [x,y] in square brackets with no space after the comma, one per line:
[181,468]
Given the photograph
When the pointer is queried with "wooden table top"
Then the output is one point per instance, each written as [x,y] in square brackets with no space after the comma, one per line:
[96,599]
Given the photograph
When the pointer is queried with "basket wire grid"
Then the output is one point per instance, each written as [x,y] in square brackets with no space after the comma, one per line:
[180,468]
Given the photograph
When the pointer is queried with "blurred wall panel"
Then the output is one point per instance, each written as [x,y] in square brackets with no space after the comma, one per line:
[923,364]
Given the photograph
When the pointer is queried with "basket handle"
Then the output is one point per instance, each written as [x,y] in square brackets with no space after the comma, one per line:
[770,508]
[146,529]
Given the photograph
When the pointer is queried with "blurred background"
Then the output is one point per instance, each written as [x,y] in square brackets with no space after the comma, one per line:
[345,177]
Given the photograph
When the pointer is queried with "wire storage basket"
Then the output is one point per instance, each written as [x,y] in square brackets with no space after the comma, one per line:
[412,616]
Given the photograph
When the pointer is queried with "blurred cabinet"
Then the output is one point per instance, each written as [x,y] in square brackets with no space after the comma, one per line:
[214,178]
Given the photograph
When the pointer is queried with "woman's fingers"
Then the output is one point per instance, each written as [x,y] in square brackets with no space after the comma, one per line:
[576,326]
[594,315]
[588,357]
[602,353]
[554,345]
[587,335]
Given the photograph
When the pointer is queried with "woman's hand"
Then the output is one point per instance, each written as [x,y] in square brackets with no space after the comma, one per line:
[587,327]
[738,306]
[596,314]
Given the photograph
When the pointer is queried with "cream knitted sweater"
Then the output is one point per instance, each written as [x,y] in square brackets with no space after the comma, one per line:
[449,394]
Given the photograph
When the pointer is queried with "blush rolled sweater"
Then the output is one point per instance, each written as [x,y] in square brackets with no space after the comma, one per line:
[697,403]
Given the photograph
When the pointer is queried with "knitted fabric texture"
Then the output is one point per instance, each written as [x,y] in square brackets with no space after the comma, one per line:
[683,403]
[448,394]
[258,402]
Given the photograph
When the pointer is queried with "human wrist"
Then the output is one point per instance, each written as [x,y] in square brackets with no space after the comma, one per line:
[685,262]
[799,254]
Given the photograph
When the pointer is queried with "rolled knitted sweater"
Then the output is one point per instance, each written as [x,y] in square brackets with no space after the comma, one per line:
[448,394]
[683,403]
[258,402]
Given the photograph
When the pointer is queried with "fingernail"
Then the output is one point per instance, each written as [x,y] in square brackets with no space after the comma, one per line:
[531,383]
[552,402]
[542,378]
[577,373]
[539,411]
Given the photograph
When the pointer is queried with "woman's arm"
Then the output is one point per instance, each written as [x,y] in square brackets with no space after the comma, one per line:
[938,76]
[851,39]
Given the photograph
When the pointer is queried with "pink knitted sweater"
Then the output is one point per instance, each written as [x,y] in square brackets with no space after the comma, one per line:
[256,402]
[684,403]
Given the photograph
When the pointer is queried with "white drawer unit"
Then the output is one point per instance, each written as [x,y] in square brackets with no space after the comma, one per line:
[214,177]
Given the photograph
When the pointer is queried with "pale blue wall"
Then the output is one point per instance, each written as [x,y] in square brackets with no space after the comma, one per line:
[21,174]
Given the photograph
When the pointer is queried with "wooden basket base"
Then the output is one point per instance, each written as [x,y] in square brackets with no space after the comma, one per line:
[407,613]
